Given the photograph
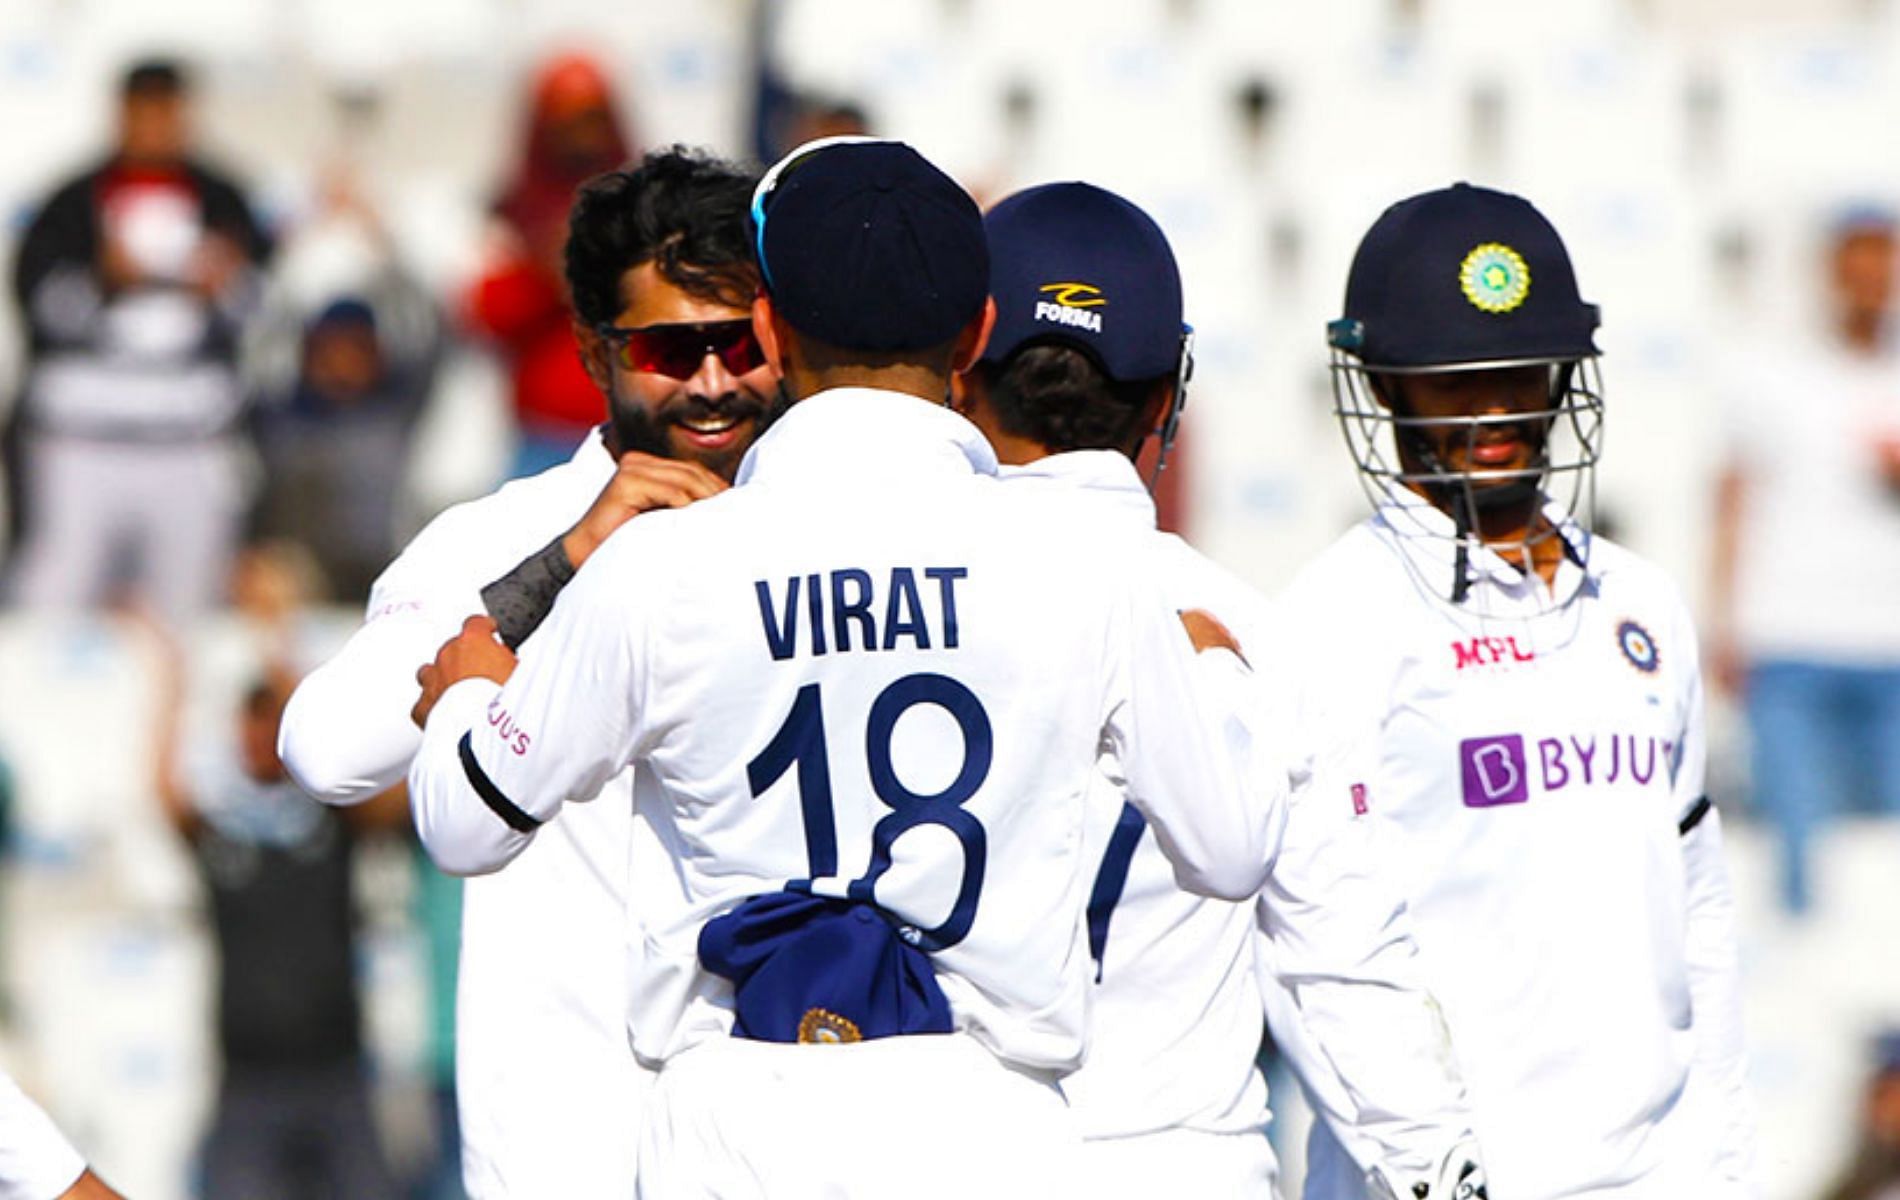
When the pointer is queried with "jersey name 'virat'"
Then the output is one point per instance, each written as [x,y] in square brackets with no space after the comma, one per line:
[853,601]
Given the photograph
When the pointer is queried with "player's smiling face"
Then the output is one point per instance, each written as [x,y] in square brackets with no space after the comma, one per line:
[1446,403]
[692,385]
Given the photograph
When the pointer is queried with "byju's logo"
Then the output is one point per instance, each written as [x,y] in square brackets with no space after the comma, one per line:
[1495,771]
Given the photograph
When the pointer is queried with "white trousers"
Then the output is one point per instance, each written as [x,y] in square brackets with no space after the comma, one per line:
[933,1117]
[174,507]
[549,1092]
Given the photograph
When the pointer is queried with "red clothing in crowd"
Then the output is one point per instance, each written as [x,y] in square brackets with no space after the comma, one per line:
[521,303]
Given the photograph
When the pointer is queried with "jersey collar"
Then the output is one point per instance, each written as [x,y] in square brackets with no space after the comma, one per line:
[1103,475]
[866,431]
[1426,537]
[593,456]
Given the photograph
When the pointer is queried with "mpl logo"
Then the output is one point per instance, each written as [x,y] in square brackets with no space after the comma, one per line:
[1495,771]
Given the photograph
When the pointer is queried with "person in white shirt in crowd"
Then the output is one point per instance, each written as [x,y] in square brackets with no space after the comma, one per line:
[134,281]
[1812,482]
[36,1160]
[867,689]
[1519,704]
[1089,359]
[662,276]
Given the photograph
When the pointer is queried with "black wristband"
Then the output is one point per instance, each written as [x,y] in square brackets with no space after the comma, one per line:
[520,600]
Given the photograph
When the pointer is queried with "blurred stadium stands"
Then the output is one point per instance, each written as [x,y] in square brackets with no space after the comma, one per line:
[1689,149]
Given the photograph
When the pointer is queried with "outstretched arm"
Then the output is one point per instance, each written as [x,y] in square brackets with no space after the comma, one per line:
[505,747]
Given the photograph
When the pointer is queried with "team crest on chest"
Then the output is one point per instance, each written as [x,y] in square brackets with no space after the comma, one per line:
[1638,647]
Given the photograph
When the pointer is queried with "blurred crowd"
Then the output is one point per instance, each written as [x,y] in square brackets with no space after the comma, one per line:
[218,413]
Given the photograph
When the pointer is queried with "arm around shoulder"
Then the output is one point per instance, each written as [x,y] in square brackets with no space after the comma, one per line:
[1195,758]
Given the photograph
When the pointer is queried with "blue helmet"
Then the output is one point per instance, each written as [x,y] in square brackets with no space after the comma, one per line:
[1467,279]
[1463,276]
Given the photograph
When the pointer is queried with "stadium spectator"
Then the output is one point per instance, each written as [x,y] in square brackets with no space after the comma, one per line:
[341,365]
[132,281]
[1811,490]
[520,300]
[1874,1172]
[334,440]
[293,1114]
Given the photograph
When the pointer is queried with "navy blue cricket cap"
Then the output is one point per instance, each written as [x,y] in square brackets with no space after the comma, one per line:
[1074,264]
[864,245]
[810,968]
[1463,275]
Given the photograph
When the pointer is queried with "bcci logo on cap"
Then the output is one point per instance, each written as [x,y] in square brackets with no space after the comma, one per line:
[1494,277]
[1072,304]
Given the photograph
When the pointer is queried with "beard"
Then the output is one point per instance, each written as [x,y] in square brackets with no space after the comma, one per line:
[636,427]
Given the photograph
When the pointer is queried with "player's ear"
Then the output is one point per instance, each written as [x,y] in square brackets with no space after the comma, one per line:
[595,356]
[962,392]
[765,329]
[972,339]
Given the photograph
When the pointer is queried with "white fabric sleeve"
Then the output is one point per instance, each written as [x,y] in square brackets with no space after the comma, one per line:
[346,734]
[1715,983]
[1347,1002]
[497,763]
[1340,944]
[36,1160]
[1716,996]
[1186,748]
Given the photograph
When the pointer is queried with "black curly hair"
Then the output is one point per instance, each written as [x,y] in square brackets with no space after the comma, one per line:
[1060,398]
[683,210]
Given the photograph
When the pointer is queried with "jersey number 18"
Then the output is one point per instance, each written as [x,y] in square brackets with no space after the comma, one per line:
[801,741]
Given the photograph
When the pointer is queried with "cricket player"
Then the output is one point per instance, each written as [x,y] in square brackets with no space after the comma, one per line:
[866,690]
[662,275]
[1519,704]
[1089,359]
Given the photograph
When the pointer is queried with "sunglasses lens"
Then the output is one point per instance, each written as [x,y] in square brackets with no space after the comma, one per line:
[738,349]
[676,351]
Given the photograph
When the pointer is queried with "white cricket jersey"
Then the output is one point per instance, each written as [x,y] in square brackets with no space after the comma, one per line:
[869,643]
[1177,1017]
[36,1160]
[1530,774]
[547,1088]
[1175,1023]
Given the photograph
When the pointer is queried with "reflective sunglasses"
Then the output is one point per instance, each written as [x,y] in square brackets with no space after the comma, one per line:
[677,351]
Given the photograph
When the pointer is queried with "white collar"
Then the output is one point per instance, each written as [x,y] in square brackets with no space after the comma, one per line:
[1104,473]
[1427,537]
[866,431]
[593,456]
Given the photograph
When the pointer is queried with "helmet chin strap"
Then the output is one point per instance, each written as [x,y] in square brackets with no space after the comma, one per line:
[1462,503]
[1171,424]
